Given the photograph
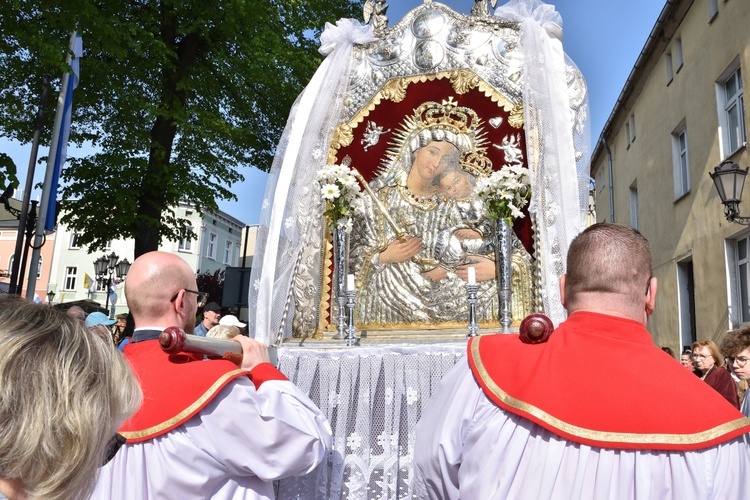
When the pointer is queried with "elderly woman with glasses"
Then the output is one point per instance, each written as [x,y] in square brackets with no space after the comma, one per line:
[736,348]
[709,364]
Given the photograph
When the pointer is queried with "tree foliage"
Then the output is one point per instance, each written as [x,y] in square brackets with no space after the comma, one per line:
[211,283]
[175,96]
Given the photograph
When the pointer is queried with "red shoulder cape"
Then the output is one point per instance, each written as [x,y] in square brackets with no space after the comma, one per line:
[177,386]
[600,381]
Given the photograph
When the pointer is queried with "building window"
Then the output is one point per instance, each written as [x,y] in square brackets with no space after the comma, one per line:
[70,278]
[681,162]
[713,9]
[39,268]
[228,253]
[186,245]
[74,245]
[211,246]
[108,245]
[627,132]
[677,55]
[634,206]
[670,73]
[632,127]
[743,278]
[731,110]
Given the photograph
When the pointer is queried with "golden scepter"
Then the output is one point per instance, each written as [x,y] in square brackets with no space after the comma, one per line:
[401,233]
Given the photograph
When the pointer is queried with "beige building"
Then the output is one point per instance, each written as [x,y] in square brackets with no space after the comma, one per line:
[680,114]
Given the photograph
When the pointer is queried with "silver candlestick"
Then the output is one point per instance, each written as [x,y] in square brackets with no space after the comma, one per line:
[350,339]
[471,296]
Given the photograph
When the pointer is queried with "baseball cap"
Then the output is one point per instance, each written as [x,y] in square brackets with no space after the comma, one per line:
[231,320]
[212,306]
[98,318]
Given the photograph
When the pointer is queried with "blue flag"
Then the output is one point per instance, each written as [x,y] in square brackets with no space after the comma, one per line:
[61,132]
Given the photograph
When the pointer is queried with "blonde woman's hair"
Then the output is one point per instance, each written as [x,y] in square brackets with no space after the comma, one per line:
[64,392]
[225,332]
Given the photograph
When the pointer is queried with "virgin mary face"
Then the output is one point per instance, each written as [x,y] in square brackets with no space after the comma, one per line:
[427,164]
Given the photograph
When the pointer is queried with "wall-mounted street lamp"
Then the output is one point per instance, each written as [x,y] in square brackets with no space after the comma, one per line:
[104,267]
[729,180]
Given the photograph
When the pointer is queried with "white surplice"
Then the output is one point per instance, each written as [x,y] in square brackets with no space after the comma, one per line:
[468,447]
[234,448]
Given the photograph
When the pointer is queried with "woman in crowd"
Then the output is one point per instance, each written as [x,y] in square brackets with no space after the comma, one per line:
[686,359]
[709,366]
[63,394]
[736,348]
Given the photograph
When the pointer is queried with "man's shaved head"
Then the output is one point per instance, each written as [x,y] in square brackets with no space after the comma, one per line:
[153,279]
[608,262]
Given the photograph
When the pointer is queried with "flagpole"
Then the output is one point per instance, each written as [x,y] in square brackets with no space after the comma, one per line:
[58,147]
[16,284]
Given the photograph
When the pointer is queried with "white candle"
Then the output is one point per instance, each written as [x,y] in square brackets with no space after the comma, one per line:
[472,276]
[350,282]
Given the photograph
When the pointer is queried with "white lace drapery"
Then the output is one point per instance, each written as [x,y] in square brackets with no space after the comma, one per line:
[558,142]
[373,398]
[292,202]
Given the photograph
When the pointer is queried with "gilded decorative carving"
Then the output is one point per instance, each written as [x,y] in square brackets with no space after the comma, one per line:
[394,90]
[342,136]
[463,81]
[516,116]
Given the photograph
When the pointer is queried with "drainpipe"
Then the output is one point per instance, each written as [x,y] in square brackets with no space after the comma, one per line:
[611,181]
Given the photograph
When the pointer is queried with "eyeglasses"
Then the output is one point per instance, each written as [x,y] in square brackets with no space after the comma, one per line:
[113,446]
[202,297]
[701,356]
[741,362]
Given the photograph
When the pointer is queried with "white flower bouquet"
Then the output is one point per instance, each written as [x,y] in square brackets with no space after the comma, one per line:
[505,192]
[342,194]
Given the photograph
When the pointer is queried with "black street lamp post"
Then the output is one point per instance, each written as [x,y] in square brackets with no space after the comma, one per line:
[104,267]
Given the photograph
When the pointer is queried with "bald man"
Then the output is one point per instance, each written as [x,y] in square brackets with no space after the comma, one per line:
[597,411]
[77,312]
[207,428]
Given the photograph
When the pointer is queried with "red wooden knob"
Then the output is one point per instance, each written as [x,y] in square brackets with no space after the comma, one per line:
[172,339]
[536,328]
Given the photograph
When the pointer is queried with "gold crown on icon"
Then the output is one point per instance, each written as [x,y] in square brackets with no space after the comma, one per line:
[476,163]
[449,115]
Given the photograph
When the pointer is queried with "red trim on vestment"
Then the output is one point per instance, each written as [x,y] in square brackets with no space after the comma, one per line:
[265,372]
[601,381]
[175,387]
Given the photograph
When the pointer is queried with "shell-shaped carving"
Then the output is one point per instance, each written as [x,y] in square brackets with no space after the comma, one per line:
[516,116]
[394,90]
[342,136]
[463,81]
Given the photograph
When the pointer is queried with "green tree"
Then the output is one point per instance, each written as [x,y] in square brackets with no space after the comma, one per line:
[211,283]
[7,172]
[175,96]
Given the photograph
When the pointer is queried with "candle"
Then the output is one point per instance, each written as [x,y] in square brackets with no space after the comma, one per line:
[350,282]
[472,276]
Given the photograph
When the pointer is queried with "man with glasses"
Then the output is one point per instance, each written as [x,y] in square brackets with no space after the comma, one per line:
[596,411]
[207,428]
[736,349]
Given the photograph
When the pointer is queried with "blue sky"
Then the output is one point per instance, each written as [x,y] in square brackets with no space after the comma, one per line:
[603,37]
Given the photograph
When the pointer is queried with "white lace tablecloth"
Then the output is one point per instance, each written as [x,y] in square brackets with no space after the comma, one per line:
[373,397]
